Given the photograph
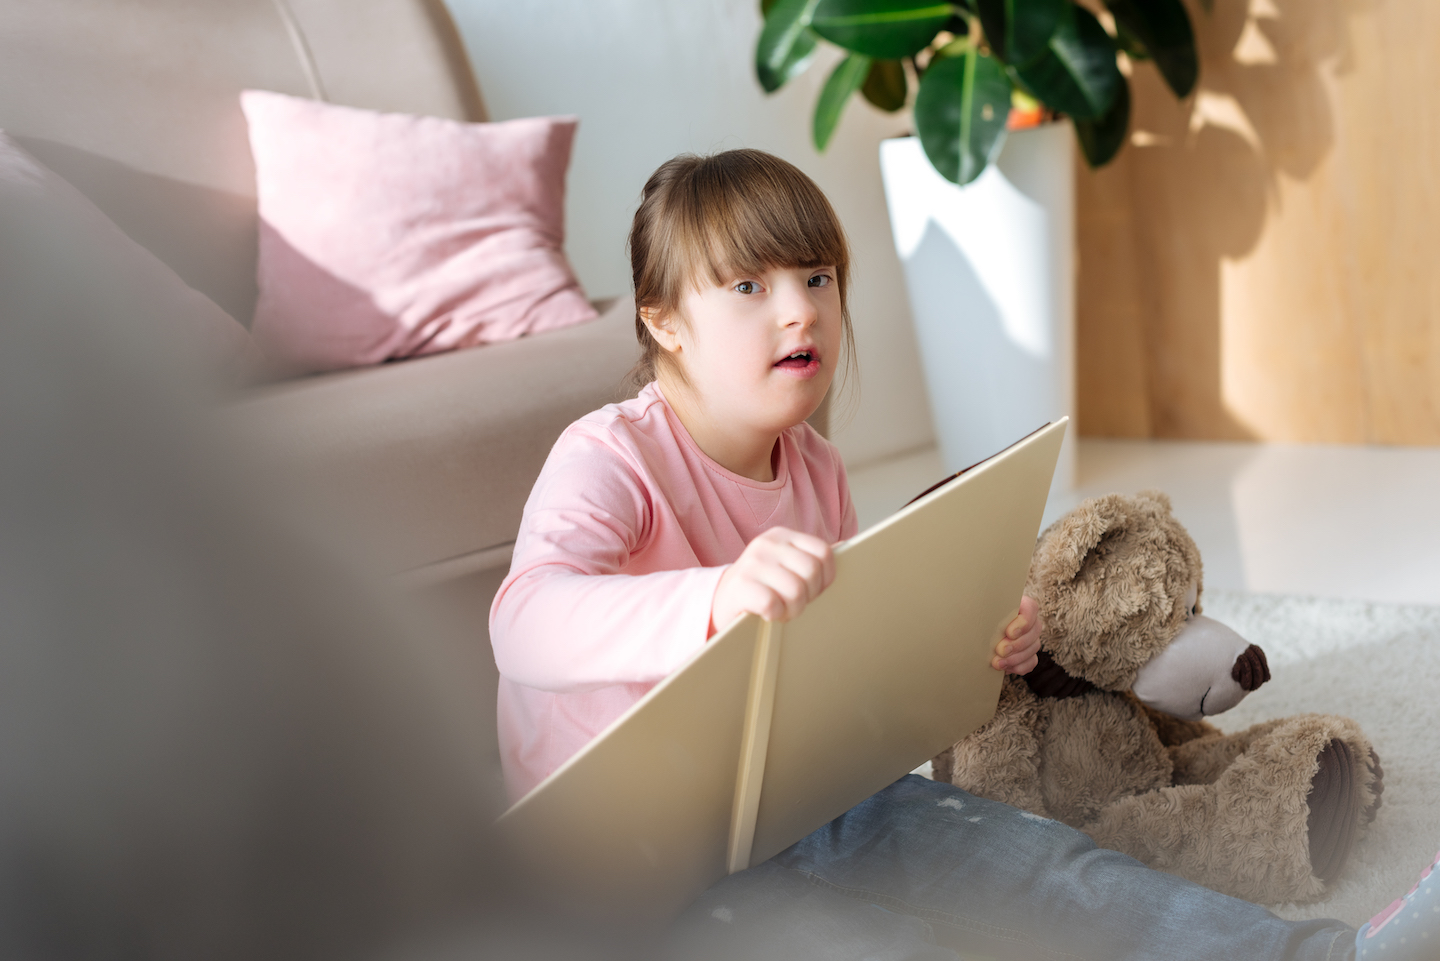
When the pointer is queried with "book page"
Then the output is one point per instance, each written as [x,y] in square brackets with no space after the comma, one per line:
[638,823]
[891,665]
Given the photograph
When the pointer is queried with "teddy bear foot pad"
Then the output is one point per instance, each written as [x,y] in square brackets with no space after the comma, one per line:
[1334,802]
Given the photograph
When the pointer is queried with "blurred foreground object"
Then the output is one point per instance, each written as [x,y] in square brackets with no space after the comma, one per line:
[215,740]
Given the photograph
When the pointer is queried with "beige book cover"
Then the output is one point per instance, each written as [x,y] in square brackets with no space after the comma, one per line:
[773,729]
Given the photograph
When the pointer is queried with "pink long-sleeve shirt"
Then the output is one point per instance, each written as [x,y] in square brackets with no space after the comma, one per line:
[621,545]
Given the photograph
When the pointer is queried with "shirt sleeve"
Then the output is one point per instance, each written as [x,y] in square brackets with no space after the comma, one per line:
[568,618]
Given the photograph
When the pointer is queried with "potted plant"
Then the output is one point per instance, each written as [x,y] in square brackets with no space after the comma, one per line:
[981,199]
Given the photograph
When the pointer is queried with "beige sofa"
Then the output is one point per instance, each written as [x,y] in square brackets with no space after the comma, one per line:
[135,103]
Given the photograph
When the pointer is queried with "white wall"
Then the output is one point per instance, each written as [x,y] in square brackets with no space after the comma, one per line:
[653,78]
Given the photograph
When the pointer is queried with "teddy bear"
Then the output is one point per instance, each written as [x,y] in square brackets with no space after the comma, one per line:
[1108,732]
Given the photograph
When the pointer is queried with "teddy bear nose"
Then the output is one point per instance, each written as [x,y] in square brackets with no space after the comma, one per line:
[1251,669]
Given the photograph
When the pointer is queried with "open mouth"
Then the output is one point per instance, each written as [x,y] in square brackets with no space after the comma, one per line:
[800,360]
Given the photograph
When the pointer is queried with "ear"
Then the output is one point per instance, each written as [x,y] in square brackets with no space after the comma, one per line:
[1065,545]
[1159,497]
[662,327]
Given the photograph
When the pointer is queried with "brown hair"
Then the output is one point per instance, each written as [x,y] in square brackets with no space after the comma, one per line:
[736,212]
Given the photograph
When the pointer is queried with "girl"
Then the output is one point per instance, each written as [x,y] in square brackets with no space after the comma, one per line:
[658,521]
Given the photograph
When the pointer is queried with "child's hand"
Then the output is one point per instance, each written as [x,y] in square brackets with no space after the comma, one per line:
[1017,650]
[778,574]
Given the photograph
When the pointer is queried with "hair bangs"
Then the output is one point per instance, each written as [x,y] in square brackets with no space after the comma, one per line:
[749,214]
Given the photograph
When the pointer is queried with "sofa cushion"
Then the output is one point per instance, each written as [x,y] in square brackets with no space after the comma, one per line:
[433,459]
[387,236]
[77,252]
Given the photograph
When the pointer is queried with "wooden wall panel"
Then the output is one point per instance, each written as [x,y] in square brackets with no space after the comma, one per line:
[1261,261]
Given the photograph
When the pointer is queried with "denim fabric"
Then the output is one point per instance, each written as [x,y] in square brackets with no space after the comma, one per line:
[924,870]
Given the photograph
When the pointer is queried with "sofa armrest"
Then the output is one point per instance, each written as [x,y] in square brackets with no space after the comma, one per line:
[431,460]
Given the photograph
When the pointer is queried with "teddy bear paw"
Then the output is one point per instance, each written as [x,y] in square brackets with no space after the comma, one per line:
[1377,786]
[1335,814]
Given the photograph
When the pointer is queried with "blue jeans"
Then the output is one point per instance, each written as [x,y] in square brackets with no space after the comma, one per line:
[924,870]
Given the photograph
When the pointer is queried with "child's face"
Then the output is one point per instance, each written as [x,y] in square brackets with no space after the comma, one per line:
[741,339]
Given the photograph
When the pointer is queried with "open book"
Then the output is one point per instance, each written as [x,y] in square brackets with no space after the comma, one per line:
[773,729]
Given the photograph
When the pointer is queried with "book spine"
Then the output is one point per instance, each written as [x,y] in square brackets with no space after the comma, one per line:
[759,708]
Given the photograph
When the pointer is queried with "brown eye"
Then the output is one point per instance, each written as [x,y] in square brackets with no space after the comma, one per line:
[820,280]
[745,287]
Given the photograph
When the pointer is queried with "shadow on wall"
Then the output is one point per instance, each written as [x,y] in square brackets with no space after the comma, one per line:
[1195,187]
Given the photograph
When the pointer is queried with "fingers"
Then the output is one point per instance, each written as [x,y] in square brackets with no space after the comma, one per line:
[741,592]
[1028,615]
[1026,667]
[776,576]
[768,600]
[795,565]
[805,566]
[1019,649]
[775,593]
[1022,648]
[790,543]
[816,548]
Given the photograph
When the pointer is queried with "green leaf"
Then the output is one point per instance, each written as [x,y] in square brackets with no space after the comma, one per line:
[1101,139]
[844,80]
[885,85]
[960,113]
[1164,28]
[1077,75]
[1020,30]
[786,44]
[881,29]
[1129,43]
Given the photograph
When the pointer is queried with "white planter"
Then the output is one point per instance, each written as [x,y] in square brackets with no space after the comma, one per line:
[990,269]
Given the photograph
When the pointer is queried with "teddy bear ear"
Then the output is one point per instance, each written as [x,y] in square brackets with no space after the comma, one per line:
[1159,497]
[1064,546]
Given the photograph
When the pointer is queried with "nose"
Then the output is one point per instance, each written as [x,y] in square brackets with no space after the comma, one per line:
[1207,669]
[796,306]
[1251,669]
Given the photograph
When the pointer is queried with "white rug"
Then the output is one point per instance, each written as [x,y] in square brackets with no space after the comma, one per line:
[1376,663]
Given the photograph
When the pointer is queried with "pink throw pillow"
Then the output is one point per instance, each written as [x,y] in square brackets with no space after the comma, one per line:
[384,236]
